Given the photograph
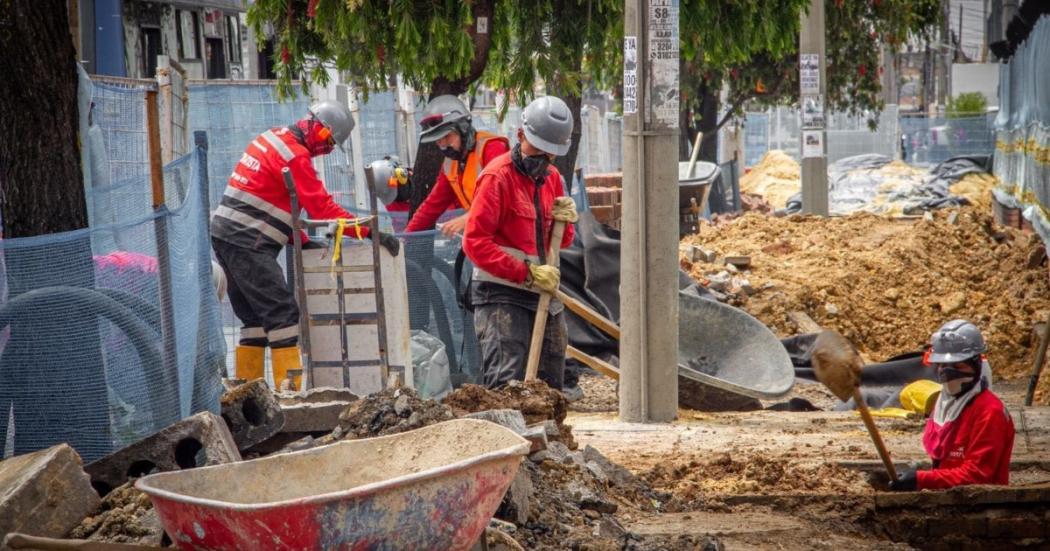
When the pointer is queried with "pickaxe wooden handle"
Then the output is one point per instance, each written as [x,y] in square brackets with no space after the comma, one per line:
[539,324]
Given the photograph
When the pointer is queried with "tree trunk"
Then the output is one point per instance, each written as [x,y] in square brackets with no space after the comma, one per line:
[40,174]
[51,369]
[708,122]
[566,164]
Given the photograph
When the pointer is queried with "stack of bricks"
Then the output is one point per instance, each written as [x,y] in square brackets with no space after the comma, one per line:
[605,195]
[1009,217]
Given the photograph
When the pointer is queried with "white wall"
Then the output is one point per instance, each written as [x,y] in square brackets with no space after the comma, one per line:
[977,77]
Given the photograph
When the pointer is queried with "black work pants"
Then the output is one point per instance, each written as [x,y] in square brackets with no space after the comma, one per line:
[504,332]
[259,295]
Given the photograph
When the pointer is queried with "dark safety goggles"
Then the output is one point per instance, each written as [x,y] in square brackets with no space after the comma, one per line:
[950,371]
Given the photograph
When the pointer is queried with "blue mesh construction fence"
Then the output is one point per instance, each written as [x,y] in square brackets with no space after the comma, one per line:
[83,358]
[931,140]
[1022,130]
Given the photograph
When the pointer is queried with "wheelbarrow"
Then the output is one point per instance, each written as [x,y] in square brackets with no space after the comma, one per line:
[431,488]
[724,347]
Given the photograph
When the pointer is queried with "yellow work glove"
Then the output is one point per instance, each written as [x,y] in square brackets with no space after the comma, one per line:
[565,210]
[543,277]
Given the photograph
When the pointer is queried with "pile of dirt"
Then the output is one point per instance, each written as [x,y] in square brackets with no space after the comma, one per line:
[389,412]
[126,515]
[888,285]
[695,483]
[536,401]
[775,178]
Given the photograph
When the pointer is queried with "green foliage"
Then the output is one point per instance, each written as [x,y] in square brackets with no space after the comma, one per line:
[970,104]
[372,40]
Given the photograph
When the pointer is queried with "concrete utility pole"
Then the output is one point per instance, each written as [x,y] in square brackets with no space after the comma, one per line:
[649,257]
[813,92]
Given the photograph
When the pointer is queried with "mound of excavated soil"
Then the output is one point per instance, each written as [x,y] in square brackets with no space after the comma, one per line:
[391,411]
[694,482]
[125,516]
[888,285]
[535,400]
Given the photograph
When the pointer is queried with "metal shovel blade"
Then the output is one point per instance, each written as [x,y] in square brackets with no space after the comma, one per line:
[725,347]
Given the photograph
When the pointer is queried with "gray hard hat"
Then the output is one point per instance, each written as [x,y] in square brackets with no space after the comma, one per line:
[442,115]
[381,173]
[956,341]
[336,116]
[547,123]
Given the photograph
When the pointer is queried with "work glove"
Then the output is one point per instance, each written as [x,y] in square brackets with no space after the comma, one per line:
[390,243]
[906,482]
[565,210]
[543,278]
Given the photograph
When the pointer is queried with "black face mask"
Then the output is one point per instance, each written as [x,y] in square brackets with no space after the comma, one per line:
[534,167]
[450,152]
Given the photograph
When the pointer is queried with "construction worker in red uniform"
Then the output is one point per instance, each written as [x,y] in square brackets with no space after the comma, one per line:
[446,122]
[253,223]
[970,435]
[519,196]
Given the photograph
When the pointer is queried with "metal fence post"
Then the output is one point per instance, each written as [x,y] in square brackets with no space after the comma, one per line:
[167,318]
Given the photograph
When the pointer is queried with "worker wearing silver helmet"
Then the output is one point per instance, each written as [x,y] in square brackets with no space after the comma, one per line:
[969,435]
[518,198]
[253,222]
[446,123]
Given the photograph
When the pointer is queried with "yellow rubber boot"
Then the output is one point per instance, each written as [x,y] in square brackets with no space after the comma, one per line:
[283,361]
[248,362]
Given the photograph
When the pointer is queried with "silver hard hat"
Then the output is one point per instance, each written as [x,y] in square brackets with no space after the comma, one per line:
[547,123]
[336,117]
[442,115]
[956,341]
[386,175]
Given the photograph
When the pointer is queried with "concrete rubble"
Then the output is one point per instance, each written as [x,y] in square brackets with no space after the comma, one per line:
[45,493]
[252,413]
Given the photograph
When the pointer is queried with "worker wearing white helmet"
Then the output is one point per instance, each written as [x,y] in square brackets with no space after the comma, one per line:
[969,436]
[253,222]
[519,197]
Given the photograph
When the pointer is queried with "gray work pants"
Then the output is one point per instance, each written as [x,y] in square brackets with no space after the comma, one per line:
[504,332]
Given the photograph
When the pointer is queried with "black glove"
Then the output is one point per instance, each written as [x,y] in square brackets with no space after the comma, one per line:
[906,482]
[390,243]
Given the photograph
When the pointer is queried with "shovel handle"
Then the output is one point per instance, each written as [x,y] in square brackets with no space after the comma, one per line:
[869,422]
[539,324]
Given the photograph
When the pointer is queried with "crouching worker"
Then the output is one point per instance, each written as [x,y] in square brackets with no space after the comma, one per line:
[519,196]
[970,435]
[253,223]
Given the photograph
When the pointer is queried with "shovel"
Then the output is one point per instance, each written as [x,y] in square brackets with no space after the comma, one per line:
[838,365]
[539,324]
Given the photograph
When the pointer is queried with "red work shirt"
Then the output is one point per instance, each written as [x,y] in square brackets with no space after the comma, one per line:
[979,452]
[442,198]
[503,215]
[256,209]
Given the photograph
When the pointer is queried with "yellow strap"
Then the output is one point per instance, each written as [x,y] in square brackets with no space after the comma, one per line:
[338,245]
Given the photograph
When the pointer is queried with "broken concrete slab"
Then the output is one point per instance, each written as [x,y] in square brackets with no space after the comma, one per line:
[317,395]
[252,413]
[557,451]
[45,493]
[515,505]
[588,499]
[537,437]
[617,474]
[196,441]
[608,527]
[510,418]
[312,417]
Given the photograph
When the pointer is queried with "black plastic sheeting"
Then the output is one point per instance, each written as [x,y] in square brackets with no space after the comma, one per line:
[852,184]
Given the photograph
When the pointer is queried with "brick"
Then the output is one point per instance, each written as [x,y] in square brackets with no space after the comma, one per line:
[1015,528]
[509,418]
[196,441]
[252,413]
[608,179]
[45,493]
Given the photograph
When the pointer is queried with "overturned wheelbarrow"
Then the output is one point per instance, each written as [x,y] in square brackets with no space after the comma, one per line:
[431,488]
[726,349]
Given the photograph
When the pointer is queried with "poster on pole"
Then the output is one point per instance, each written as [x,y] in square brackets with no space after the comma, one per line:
[813,111]
[812,144]
[630,75]
[809,73]
[662,99]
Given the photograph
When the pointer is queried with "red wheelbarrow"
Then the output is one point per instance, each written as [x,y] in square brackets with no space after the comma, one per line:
[432,488]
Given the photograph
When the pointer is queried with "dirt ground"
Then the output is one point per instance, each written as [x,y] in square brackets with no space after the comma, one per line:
[887,285]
